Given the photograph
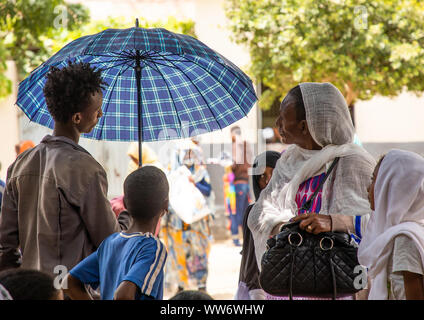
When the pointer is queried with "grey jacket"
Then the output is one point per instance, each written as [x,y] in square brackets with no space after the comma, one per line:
[55,210]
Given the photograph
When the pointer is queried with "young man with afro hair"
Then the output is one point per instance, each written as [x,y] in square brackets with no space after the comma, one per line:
[55,209]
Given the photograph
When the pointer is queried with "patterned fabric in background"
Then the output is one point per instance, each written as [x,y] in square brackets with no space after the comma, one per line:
[229,192]
[188,245]
[188,250]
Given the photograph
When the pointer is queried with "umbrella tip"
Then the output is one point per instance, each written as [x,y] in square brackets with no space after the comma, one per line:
[136,22]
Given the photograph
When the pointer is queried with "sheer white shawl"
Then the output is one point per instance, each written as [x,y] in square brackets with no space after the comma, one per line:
[399,209]
[345,192]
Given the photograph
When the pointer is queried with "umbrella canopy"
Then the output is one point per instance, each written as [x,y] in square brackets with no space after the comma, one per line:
[161,85]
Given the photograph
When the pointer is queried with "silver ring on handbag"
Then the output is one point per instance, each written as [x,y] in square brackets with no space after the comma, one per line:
[300,239]
[321,243]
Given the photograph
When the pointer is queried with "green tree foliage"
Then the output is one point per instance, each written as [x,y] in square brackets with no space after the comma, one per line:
[24,24]
[171,24]
[364,47]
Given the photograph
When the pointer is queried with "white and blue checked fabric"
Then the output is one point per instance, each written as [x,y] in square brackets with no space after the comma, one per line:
[186,87]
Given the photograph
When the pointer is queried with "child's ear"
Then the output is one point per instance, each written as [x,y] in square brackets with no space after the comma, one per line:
[165,206]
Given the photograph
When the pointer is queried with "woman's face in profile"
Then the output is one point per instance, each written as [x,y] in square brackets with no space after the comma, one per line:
[288,126]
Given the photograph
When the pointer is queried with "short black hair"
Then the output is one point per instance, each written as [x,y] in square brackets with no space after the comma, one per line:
[191,295]
[26,284]
[296,94]
[145,191]
[69,90]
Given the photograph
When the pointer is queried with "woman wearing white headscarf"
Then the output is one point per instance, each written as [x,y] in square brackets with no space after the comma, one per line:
[393,246]
[315,120]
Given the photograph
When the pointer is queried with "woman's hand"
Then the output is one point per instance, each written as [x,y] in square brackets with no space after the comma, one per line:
[314,223]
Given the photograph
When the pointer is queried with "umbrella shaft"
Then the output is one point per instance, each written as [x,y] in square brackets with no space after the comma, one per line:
[138,79]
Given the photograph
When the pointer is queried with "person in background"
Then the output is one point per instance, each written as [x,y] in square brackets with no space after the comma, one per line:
[148,155]
[129,265]
[23,146]
[241,155]
[189,244]
[229,193]
[55,209]
[149,158]
[392,247]
[249,287]
[26,284]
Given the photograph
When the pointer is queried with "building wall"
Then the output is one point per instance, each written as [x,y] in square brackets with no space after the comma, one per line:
[383,123]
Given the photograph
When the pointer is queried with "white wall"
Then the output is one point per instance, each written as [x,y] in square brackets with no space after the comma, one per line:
[9,129]
[383,120]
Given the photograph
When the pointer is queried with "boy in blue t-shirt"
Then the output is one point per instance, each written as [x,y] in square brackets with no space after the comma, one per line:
[129,265]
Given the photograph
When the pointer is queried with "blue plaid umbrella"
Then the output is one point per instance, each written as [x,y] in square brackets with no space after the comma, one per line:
[161,85]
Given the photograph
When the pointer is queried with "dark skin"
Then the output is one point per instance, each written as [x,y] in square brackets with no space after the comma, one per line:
[265,177]
[126,290]
[413,282]
[294,131]
[81,122]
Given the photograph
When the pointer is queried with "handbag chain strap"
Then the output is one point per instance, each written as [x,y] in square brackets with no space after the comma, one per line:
[308,203]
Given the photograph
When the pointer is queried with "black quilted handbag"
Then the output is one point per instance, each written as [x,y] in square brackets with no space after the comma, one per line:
[298,263]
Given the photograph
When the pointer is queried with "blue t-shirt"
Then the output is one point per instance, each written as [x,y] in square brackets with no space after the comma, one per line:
[136,257]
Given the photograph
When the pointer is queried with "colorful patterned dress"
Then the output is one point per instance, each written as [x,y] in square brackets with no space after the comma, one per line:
[188,245]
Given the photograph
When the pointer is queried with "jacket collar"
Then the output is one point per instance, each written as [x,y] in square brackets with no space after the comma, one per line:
[49,138]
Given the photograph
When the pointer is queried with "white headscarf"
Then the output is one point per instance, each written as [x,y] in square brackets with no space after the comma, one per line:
[399,209]
[331,127]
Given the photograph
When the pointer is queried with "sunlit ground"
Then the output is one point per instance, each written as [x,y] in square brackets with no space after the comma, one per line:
[224,265]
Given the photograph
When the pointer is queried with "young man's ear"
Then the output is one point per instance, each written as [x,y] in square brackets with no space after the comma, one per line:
[76,118]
